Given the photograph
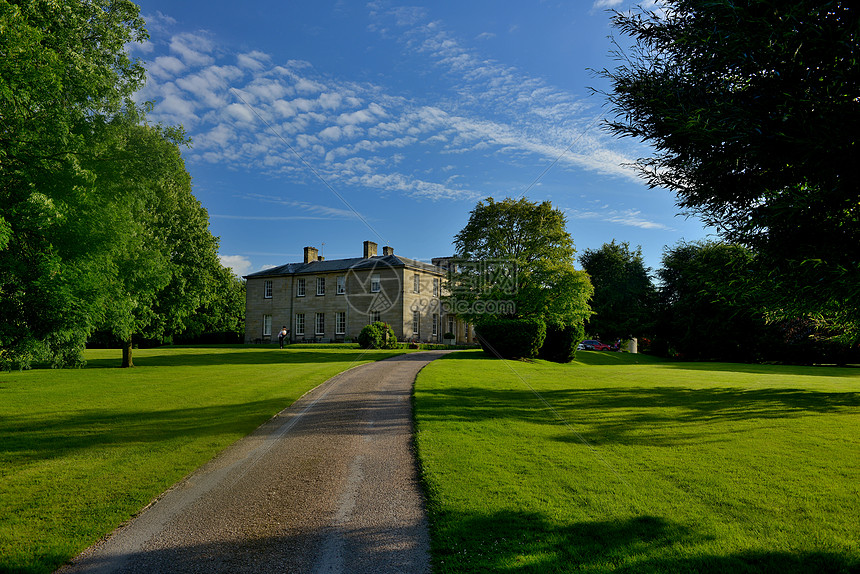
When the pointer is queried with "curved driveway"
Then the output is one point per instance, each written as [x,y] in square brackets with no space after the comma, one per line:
[328,485]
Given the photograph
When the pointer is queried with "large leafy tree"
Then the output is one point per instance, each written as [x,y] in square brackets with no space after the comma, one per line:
[160,247]
[183,288]
[167,278]
[624,296]
[518,251]
[64,76]
[752,107]
[98,226]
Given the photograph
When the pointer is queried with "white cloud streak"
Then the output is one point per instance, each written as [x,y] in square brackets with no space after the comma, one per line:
[627,217]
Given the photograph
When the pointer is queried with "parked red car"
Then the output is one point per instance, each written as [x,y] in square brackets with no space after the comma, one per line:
[595,345]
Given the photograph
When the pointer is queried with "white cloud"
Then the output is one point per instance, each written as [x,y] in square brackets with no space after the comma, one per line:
[237,263]
[239,112]
[347,131]
[634,218]
[194,49]
[211,85]
[628,217]
[159,22]
[357,117]
[332,133]
[165,67]
[254,60]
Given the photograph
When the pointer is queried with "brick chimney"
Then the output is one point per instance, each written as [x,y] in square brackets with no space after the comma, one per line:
[369,249]
[387,250]
[311,254]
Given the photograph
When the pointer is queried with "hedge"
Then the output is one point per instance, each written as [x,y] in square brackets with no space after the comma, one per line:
[511,338]
[560,343]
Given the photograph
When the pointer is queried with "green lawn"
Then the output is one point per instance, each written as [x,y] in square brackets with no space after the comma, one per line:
[624,463]
[83,450]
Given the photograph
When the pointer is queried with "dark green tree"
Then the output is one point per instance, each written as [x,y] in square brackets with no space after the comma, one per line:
[703,315]
[223,314]
[624,296]
[752,108]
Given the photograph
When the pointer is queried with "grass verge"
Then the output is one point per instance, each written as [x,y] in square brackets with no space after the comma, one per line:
[82,450]
[625,463]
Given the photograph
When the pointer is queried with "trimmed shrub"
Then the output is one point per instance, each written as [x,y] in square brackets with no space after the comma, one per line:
[560,343]
[377,335]
[511,338]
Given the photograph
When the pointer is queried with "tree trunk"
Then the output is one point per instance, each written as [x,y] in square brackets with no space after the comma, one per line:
[126,354]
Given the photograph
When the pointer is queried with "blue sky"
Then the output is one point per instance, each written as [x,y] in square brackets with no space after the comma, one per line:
[326,123]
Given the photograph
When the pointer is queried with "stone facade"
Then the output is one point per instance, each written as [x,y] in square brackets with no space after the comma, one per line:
[333,300]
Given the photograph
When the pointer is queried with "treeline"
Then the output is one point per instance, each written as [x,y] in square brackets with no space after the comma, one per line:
[709,302]
[99,229]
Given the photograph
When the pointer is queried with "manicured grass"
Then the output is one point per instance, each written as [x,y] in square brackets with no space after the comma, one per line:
[83,450]
[633,464]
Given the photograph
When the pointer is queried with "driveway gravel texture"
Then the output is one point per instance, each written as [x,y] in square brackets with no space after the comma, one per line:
[330,484]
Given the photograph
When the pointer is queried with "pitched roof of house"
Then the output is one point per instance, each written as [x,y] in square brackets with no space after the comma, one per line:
[353,264]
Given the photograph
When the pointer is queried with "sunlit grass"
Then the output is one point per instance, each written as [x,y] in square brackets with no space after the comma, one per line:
[624,463]
[83,450]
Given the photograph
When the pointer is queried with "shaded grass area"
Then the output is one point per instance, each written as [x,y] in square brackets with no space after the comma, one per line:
[625,463]
[82,450]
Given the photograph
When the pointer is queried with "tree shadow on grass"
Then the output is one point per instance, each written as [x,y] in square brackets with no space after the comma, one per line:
[201,357]
[606,358]
[527,542]
[754,369]
[631,415]
[28,439]
[609,358]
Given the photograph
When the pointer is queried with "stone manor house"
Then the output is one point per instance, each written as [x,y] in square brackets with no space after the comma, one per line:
[331,301]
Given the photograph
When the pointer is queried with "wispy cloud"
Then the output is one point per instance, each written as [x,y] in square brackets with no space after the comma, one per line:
[628,217]
[606,4]
[349,131]
[321,211]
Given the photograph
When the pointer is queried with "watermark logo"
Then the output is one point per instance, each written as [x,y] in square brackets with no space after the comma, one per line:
[372,287]
[462,307]
[482,275]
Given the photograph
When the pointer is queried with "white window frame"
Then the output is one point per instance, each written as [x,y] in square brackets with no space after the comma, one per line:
[416,283]
[300,323]
[375,287]
[416,323]
[435,286]
[267,289]
[340,323]
[300,287]
[375,316]
[267,325]
[320,285]
[341,285]
[319,324]
[435,324]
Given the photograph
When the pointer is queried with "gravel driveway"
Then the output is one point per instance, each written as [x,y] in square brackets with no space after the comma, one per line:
[328,485]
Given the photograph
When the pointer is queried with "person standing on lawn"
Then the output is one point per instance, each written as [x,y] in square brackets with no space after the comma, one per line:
[282,335]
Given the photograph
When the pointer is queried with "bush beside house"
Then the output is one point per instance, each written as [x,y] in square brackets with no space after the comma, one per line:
[377,335]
